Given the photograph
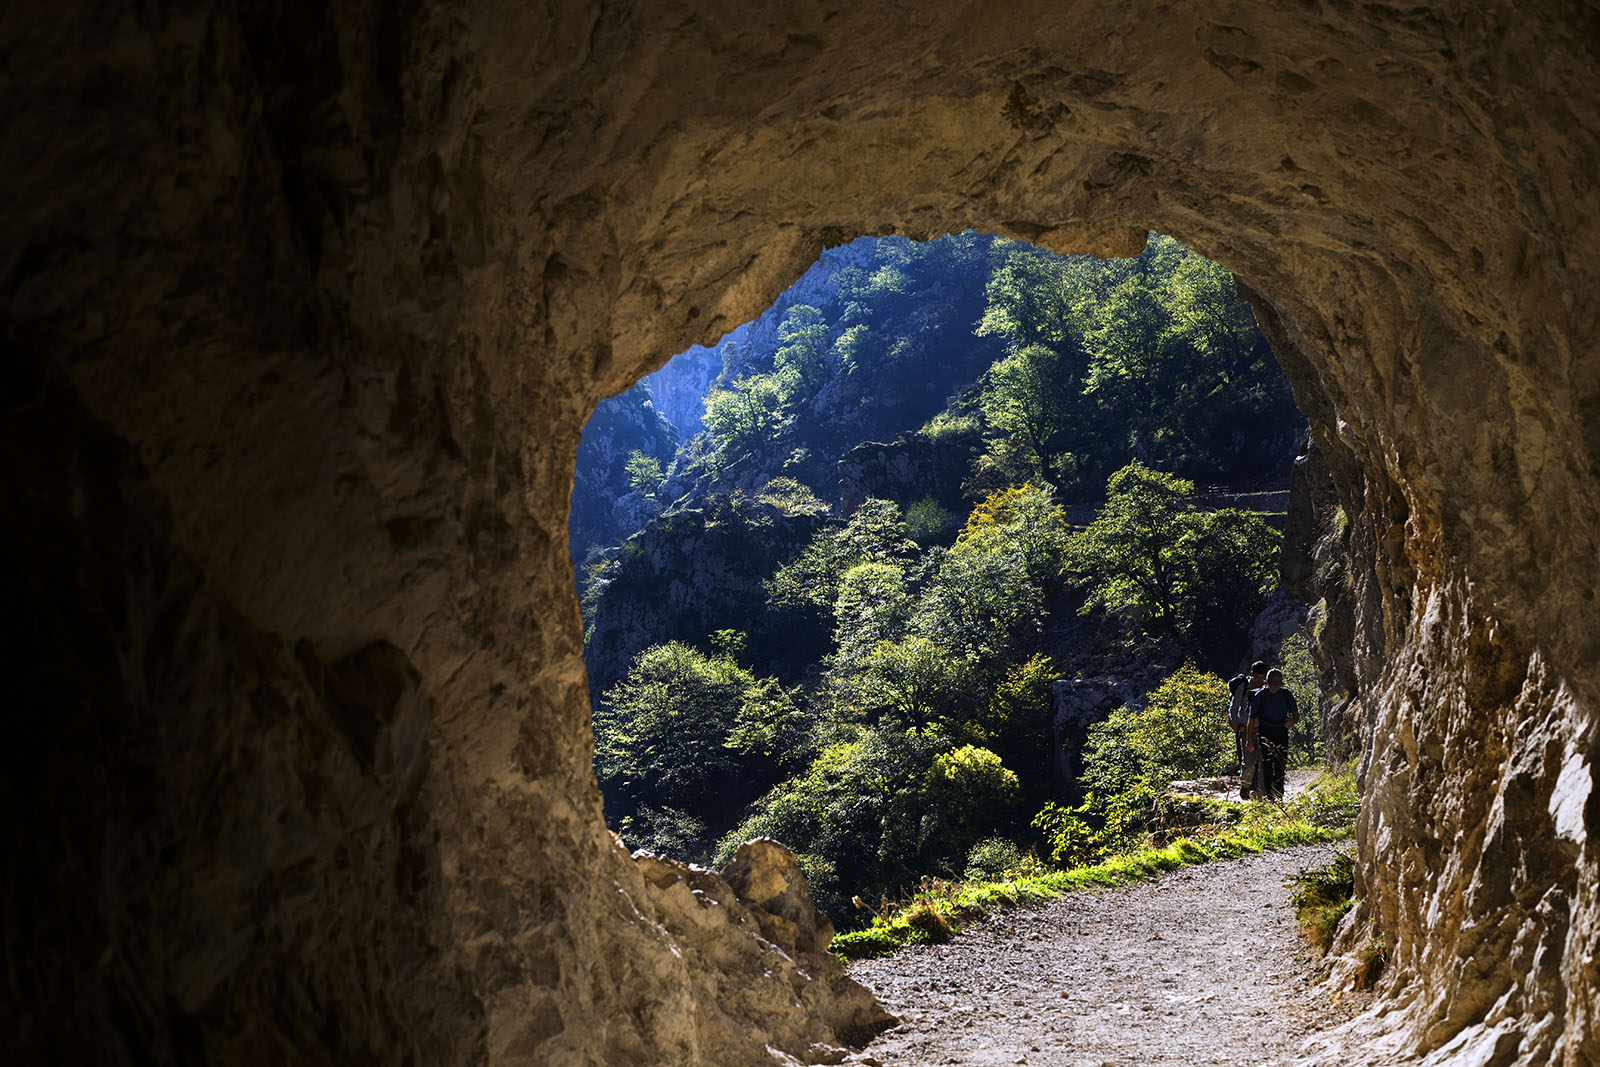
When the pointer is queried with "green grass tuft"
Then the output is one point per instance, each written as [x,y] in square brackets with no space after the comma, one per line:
[1322,897]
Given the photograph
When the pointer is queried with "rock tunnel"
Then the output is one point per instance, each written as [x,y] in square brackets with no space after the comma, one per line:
[306,304]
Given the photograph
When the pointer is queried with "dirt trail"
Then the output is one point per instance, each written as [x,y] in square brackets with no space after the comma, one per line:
[1202,965]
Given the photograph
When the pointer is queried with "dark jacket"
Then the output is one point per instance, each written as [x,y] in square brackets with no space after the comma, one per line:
[1272,709]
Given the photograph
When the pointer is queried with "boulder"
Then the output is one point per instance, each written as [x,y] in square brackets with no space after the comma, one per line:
[756,953]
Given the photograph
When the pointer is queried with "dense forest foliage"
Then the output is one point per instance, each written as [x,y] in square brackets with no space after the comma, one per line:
[869,679]
[1154,358]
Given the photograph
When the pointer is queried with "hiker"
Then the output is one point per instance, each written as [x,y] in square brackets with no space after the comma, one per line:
[1241,687]
[1273,710]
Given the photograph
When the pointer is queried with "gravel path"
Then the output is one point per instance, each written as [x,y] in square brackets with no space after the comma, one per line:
[1202,965]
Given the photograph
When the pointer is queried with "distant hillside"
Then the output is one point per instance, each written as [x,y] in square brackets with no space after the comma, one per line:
[947,506]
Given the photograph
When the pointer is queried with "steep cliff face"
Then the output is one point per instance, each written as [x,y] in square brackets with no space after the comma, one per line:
[1328,564]
[680,387]
[687,574]
[910,468]
[305,306]
[872,341]
[619,427]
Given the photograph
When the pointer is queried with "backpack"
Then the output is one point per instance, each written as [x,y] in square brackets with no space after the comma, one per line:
[1239,701]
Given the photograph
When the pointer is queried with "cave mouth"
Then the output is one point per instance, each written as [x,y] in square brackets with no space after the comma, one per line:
[799,513]
[301,365]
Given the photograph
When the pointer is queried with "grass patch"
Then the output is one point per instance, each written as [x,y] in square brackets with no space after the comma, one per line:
[1324,812]
[927,920]
[1322,897]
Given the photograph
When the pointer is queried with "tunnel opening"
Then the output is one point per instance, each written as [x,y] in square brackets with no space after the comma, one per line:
[863,549]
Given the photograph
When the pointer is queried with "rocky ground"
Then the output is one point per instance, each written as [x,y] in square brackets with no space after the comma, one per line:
[1203,965]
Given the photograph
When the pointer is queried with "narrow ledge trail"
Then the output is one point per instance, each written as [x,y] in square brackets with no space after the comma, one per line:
[1201,965]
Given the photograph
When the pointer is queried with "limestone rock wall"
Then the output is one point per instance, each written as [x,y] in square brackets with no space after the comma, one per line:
[304,305]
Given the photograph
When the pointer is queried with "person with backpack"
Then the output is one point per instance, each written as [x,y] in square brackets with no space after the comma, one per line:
[1273,710]
[1240,688]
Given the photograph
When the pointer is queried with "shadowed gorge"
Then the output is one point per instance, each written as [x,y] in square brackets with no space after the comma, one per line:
[305,307]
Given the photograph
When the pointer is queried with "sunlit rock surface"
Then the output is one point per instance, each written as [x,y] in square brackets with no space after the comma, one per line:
[759,968]
[305,306]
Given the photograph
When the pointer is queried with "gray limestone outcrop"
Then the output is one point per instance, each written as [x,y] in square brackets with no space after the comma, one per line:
[757,954]
[911,468]
[304,306]
[620,426]
[679,388]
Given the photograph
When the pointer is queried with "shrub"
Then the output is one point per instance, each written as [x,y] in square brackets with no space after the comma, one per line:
[991,858]
[948,425]
[864,944]
[1181,733]
[928,922]
[1373,955]
[927,522]
[792,498]
[1096,828]
[856,807]
[965,791]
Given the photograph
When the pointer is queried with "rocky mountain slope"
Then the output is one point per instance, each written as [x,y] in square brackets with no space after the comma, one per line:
[621,426]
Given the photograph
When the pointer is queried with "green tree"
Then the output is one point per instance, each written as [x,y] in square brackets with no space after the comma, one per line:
[687,734]
[1300,676]
[987,590]
[810,581]
[644,472]
[1231,559]
[872,607]
[1035,298]
[1196,573]
[857,347]
[913,681]
[980,599]
[1155,357]
[1032,398]
[803,337]
[1016,721]
[748,415]
[966,792]
[1133,554]
[1028,517]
